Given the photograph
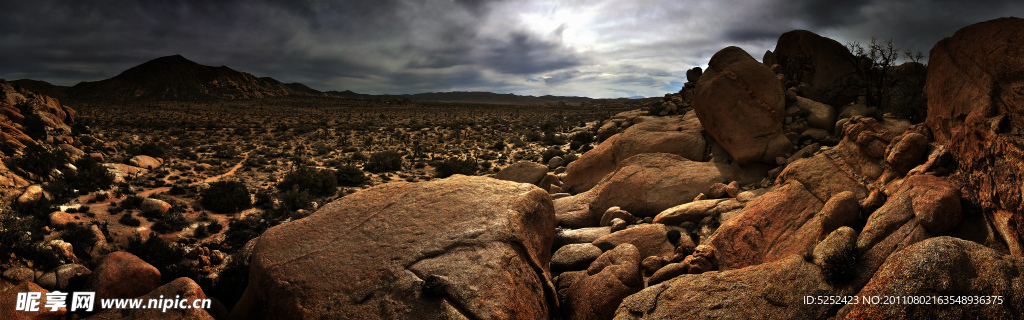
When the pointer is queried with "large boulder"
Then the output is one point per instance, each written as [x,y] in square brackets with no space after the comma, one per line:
[741,105]
[819,115]
[145,162]
[647,184]
[182,289]
[460,247]
[975,92]
[950,268]
[774,290]
[649,239]
[825,65]
[679,135]
[9,299]
[122,275]
[612,277]
[523,172]
[785,221]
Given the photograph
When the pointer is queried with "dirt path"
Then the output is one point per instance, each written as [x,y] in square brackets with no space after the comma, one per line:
[237,166]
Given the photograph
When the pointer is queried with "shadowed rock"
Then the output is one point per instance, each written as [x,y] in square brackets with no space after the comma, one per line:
[975,103]
[742,105]
[944,266]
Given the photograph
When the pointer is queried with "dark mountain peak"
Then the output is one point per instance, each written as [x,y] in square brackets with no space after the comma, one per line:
[175,78]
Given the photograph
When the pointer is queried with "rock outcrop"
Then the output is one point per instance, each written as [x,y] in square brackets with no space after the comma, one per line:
[680,135]
[647,184]
[975,107]
[742,105]
[827,69]
[461,247]
[947,267]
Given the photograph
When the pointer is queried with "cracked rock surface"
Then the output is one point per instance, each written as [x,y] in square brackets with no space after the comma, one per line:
[459,248]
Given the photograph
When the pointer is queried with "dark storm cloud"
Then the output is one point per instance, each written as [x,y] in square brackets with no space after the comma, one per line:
[601,48]
[523,54]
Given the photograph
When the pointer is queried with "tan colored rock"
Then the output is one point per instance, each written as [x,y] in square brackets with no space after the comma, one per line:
[613,277]
[770,290]
[742,105]
[696,210]
[122,275]
[523,172]
[616,213]
[154,205]
[402,250]
[581,235]
[650,239]
[679,135]
[146,162]
[9,299]
[577,256]
[647,184]
[183,287]
[819,115]
[32,193]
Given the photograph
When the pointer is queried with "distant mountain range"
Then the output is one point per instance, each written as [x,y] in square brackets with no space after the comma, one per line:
[175,78]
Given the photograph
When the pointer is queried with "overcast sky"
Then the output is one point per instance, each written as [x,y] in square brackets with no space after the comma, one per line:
[596,48]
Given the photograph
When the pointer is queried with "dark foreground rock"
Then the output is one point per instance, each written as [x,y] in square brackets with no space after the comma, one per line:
[945,266]
[975,104]
[461,247]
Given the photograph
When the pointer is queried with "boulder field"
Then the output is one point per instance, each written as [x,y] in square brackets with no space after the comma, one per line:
[755,188]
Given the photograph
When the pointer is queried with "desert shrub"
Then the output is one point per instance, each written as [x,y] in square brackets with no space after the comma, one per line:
[20,236]
[551,138]
[533,136]
[453,166]
[129,220]
[231,282]
[89,176]
[569,158]
[201,232]
[169,222]
[264,198]
[359,156]
[38,160]
[384,161]
[242,230]
[40,209]
[177,190]
[152,149]
[131,202]
[214,227]
[317,182]
[350,176]
[582,137]
[498,145]
[167,257]
[80,238]
[34,126]
[225,197]
[295,199]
